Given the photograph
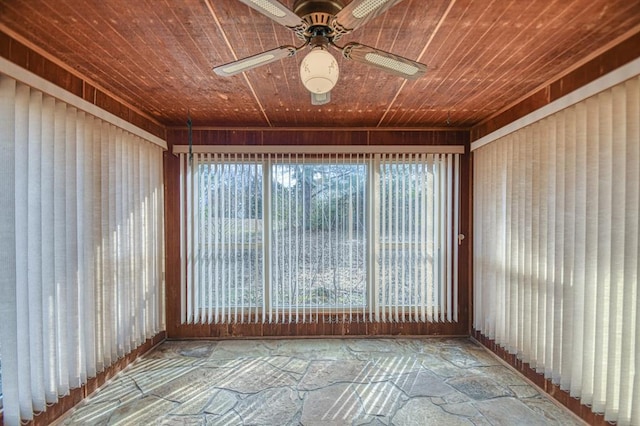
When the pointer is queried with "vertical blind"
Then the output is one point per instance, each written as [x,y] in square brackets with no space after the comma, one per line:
[280,238]
[81,237]
[416,275]
[556,250]
[317,237]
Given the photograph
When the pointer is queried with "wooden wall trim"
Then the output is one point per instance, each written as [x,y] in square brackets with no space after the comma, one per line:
[47,68]
[326,327]
[617,56]
[353,137]
[76,395]
[563,397]
[172,242]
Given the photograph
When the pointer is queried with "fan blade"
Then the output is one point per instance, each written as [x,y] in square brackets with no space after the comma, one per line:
[236,67]
[278,12]
[384,60]
[359,12]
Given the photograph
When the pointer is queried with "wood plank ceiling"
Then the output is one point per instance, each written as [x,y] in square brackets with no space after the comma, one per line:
[157,56]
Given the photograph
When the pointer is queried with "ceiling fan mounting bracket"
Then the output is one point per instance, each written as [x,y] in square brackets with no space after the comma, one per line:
[318,15]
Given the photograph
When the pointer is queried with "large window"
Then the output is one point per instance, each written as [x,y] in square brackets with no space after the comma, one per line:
[297,237]
[318,235]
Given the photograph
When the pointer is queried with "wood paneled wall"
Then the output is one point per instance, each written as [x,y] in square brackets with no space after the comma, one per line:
[325,326]
[319,136]
[41,66]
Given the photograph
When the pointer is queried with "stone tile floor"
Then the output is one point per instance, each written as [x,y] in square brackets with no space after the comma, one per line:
[319,382]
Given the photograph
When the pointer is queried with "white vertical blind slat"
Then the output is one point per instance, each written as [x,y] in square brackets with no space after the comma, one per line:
[415,227]
[196,240]
[456,230]
[383,227]
[209,236]
[81,246]
[429,236]
[443,218]
[71,240]
[437,242]
[189,240]
[478,270]
[119,252]
[60,247]
[183,238]
[97,217]
[550,237]
[48,265]
[448,195]
[34,246]
[375,191]
[421,214]
[199,241]
[21,242]
[534,257]
[605,186]
[568,284]
[8,273]
[631,253]
[618,157]
[575,350]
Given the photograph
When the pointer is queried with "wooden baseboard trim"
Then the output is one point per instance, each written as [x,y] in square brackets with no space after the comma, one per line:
[325,326]
[76,395]
[573,404]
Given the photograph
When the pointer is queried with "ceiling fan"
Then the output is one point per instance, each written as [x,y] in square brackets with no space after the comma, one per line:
[319,24]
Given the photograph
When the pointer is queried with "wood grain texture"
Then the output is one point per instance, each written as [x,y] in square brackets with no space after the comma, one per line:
[40,65]
[325,326]
[616,56]
[180,136]
[172,240]
[483,55]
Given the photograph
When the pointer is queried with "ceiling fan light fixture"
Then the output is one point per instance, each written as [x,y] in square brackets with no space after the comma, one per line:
[319,71]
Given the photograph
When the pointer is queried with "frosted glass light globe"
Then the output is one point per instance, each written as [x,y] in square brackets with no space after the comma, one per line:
[319,71]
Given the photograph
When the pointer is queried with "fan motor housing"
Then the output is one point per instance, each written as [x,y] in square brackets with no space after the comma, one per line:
[317,13]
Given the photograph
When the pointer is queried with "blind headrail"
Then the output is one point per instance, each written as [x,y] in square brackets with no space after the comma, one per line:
[321,149]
